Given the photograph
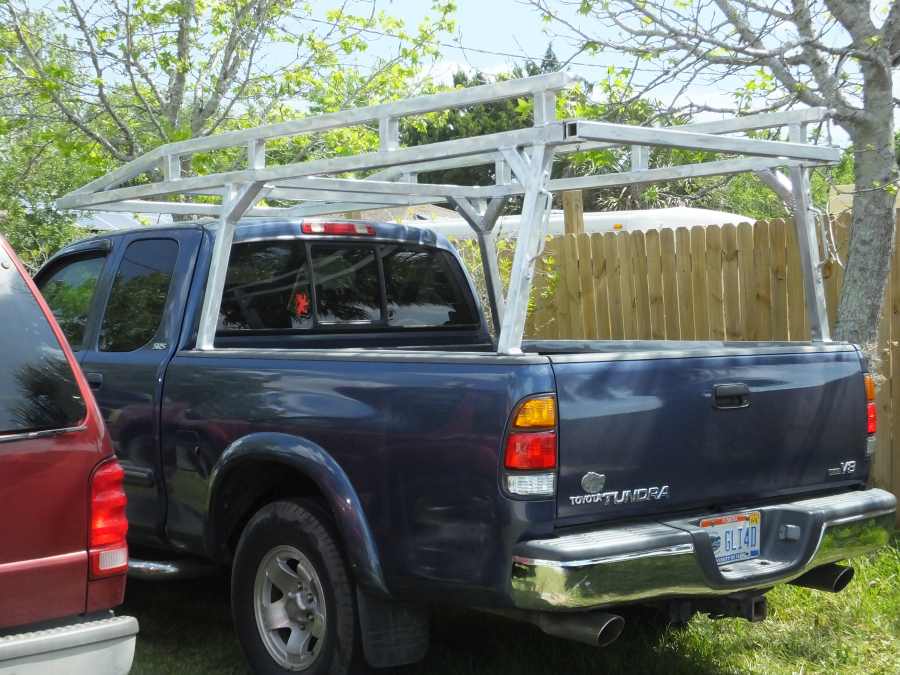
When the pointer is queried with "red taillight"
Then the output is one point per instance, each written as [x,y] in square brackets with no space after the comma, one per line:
[531,443]
[532,450]
[338,228]
[871,413]
[108,525]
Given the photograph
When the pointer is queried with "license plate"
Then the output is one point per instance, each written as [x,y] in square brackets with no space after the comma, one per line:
[734,538]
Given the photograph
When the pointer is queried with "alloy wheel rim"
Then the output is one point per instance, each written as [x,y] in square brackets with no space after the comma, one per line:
[289,606]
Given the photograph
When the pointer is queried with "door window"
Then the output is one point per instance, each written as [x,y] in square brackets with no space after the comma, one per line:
[38,390]
[138,296]
[69,291]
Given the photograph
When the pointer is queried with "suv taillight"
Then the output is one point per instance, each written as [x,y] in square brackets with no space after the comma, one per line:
[530,454]
[108,550]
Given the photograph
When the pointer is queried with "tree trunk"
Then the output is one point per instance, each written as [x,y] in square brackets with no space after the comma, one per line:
[872,231]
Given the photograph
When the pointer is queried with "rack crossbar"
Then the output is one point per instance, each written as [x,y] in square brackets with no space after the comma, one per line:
[523,159]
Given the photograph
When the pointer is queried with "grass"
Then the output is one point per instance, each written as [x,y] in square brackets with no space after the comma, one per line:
[186,628]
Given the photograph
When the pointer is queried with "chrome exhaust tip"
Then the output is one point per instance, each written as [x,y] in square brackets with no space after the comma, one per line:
[597,629]
[831,578]
[157,570]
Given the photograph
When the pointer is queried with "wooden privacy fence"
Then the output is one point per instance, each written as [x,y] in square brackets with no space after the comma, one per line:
[734,282]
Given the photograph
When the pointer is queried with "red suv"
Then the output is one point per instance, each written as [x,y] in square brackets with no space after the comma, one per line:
[63,556]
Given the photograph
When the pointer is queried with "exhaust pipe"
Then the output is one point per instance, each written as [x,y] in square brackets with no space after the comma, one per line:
[832,578]
[158,570]
[597,629]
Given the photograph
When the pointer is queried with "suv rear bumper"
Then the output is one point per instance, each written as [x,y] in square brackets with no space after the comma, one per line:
[102,647]
[675,558]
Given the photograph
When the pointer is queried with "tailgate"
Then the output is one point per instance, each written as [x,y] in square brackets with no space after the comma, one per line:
[654,437]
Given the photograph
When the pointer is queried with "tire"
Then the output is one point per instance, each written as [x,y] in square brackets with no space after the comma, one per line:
[291,597]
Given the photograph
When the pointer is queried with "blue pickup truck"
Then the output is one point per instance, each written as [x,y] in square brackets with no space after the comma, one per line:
[355,451]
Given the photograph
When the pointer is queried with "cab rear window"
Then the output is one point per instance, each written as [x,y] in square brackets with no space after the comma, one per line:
[38,390]
[296,285]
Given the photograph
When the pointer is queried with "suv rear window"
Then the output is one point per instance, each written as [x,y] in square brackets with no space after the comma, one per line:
[271,286]
[38,390]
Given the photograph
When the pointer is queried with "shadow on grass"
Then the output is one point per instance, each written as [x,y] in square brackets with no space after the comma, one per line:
[186,628]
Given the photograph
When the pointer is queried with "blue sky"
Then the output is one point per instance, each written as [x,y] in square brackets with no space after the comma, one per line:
[512,27]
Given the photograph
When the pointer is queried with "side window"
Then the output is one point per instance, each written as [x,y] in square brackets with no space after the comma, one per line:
[138,296]
[424,289]
[267,287]
[347,288]
[38,390]
[69,291]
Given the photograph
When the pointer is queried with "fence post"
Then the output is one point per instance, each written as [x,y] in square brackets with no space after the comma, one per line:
[573,212]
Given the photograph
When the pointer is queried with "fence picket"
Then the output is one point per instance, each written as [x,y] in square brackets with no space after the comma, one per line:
[641,286]
[882,466]
[626,281]
[669,283]
[797,320]
[745,265]
[562,295]
[762,274]
[575,327]
[654,287]
[586,270]
[601,277]
[892,428]
[715,302]
[841,229]
[779,281]
[731,281]
[683,280]
[614,285]
[698,282]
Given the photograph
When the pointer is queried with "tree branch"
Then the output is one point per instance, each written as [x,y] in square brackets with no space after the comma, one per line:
[101,89]
[54,94]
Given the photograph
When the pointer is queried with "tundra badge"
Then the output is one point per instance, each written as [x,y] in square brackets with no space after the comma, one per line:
[593,483]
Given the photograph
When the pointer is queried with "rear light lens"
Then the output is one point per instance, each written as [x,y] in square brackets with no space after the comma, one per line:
[353,229]
[531,485]
[871,412]
[870,386]
[531,446]
[536,413]
[529,451]
[108,550]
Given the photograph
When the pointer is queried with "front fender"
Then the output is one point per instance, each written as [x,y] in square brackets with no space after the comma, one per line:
[321,468]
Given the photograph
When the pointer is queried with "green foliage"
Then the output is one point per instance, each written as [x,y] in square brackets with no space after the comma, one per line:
[86,86]
[34,172]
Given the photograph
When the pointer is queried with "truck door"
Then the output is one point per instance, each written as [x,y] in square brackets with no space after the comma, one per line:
[125,355]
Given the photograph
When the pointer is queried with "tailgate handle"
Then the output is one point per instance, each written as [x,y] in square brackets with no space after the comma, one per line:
[728,396]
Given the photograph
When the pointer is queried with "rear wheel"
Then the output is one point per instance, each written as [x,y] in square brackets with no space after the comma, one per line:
[291,595]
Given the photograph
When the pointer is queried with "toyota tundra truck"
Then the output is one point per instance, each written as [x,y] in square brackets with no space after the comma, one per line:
[354,450]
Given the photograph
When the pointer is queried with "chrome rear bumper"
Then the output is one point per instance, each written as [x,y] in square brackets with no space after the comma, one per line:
[675,558]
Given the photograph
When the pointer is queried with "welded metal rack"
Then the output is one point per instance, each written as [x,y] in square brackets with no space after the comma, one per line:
[523,160]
